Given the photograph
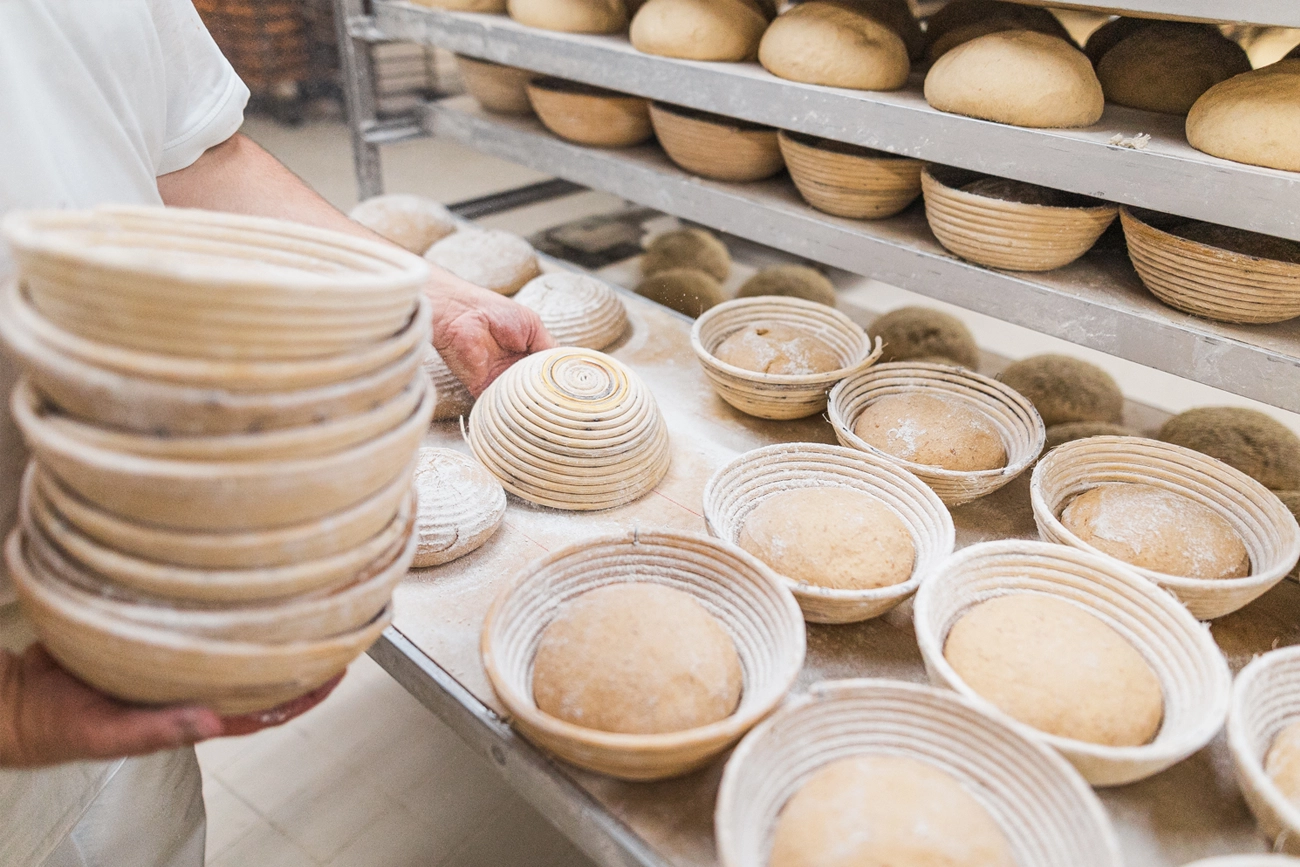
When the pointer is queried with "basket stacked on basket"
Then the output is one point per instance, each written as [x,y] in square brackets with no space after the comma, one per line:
[224,414]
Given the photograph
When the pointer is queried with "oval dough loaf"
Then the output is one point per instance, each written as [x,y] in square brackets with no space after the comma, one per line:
[1247,439]
[1056,667]
[454,399]
[412,222]
[920,332]
[886,810]
[687,248]
[637,658]
[461,506]
[777,348]
[1282,764]
[1167,65]
[935,431]
[489,258]
[1252,118]
[685,290]
[830,537]
[1017,77]
[833,44]
[1065,389]
[724,30]
[792,281]
[571,16]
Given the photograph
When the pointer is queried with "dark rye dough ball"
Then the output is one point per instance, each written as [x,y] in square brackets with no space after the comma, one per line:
[795,281]
[1257,444]
[924,334]
[687,248]
[685,290]
[1065,389]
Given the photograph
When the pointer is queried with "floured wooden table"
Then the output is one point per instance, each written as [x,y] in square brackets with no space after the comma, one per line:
[1190,811]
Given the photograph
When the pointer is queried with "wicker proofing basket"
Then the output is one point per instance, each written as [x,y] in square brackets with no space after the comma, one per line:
[1193,674]
[152,666]
[1016,419]
[577,309]
[1264,523]
[714,146]
[1265,700]
[771,395]
[1209,281]
[220,286]
[590,115]
[737,488]
[746,597]
[1010,235]
[849,181]
[498,88]
[1049,815]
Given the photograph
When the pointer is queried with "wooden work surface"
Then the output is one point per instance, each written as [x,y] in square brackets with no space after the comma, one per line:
[1190,811]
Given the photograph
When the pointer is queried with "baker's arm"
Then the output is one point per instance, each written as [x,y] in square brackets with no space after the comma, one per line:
[479,333]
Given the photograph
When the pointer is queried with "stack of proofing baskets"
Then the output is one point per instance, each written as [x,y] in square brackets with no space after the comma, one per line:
[223,414]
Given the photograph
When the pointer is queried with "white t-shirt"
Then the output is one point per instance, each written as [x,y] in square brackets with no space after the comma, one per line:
[97,98]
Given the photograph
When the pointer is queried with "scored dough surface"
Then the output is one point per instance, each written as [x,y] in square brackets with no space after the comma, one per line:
[935,431]
[776,348]
[1282,763]
[836,45]
[460,506]
[489,258]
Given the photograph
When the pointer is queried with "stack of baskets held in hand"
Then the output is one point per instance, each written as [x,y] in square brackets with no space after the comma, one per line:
[224,414]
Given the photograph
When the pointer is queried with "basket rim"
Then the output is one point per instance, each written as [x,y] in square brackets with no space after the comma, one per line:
[1130,215]
[927,177]
[1239,741]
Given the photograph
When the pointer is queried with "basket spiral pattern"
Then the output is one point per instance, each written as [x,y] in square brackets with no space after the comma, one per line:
[1265,700]
[578,310]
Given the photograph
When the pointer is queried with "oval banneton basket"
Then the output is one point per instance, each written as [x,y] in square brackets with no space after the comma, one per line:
[1049,815]
[498,88]
[1265,700]
[202,284]
[1209,281]
[1010,235]
[1193,673]
[1264,523]
[590,115]
[847,180]
[747,598]
[737,488]
[577,309]
[1014,417]
[714,146]
[771,395]
[571,429]
[151,666]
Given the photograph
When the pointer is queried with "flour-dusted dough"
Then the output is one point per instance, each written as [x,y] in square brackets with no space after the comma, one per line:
[687,248]
[577,309]
[571,16]
[936,431]
[489,258]
[1247,439]
[830,537]
[685,290]
[834,44]
[1057,667]
[461,505]
[637,658]
[1252,118]
[412,222]
[454,399]
[877,810]
[923,333]
[1167,65]
[1157,529]
[774,347]
[791,281]
[1018,77]
[724,30]
[1065,389]
[1282,763]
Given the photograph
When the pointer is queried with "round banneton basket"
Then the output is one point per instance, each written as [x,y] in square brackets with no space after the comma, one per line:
[498,88]
[571,429]
[1049,815]
[1209,281]
[714,146]
[577,309]
[746,597]
[202,284]
[736,489]
[590,115]
[1264,523]
[1014,417]
[152,666]
[222,496]
[780,396]
[847,180]
[1010,235]
[1193,674]
[1265,700]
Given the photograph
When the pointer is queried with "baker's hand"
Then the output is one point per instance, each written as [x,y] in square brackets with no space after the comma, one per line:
[255,722]
[480,333]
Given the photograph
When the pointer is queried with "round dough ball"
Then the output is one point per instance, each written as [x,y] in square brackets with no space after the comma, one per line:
[877,809]
[1065,389]
[835,45]
[1241,241]
[571,16]
[637,658]
[1282,763]
[489,258]
[897,16]
[830,537]
[934,431]
[723,30]
[1057,667]
[1068,432]
[1257,444]
[454,399]
[917,333]
[1252,118]
[1110,34]
[687,248]
[461,505]
[964,20]
[777,348]
[685,290]
[1018,77]
[1166,66]
[1157,529]
[792,281]
[411,222]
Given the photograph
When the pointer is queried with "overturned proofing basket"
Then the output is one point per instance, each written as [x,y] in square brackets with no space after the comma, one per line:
[1193,674]
[847,180]
[496,87]
[1049,815]
[1266,700]
[737,488]
[590,115]
[577,309]
[714,146]
[1264,523]
[748,600]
